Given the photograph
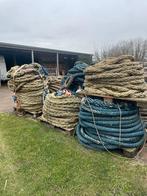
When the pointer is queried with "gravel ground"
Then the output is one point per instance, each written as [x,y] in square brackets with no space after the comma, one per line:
[6,103]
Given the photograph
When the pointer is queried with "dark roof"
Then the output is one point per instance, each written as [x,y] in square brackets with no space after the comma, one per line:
[23,47]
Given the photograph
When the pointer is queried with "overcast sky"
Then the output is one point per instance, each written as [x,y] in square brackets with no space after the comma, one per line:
[78,25]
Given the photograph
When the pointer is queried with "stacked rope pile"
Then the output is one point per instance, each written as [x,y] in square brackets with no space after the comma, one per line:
[145,72]
[143,105]
[75,77]
[27,84]
[104,125]
[116,77]
[54,83]
[143,111]
[61,111]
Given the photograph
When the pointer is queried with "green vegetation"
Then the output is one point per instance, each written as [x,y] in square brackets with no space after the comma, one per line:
[35,160]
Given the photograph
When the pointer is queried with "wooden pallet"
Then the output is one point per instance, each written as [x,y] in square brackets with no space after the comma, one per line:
[26,114]
[71,133]
[84,93]
[130,152]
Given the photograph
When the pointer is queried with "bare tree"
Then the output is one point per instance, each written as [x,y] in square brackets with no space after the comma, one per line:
[136,48]
[97,56]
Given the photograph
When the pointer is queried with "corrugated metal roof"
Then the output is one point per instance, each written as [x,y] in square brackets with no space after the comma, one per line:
[40,49]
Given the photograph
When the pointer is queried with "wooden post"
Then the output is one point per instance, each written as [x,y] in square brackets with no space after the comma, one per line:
[57,64]
[32,56]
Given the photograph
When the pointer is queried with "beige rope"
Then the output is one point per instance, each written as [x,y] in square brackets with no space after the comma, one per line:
[61,111]
[28,85]
[116,77]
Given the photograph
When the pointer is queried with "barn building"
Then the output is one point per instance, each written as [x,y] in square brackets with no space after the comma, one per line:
[57,62]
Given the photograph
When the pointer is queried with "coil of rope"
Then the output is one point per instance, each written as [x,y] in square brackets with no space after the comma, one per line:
[116,77]
[28,85]
[61,111]
[104,125]
[75,77]
[54,83]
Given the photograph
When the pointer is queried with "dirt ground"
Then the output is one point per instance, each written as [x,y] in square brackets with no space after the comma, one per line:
[6,103]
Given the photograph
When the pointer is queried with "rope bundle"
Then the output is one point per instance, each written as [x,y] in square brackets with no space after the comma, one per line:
[54,83]
[61,111]
[27,84]
[75,77]
[116,77]
[143,111]
[104,125]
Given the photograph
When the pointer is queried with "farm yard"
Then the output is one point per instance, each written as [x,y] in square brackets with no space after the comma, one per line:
[73,98]
[37,158]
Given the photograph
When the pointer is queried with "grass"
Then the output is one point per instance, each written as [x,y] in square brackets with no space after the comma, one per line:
[35,160]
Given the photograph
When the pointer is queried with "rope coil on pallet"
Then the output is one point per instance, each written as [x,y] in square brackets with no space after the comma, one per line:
[117,77]
[105,125]
[61,111]
[28,85]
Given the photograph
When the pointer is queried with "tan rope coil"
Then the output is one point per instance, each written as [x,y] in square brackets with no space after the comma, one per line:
[54,83]
[61,111]
[116,77]
[27,84]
